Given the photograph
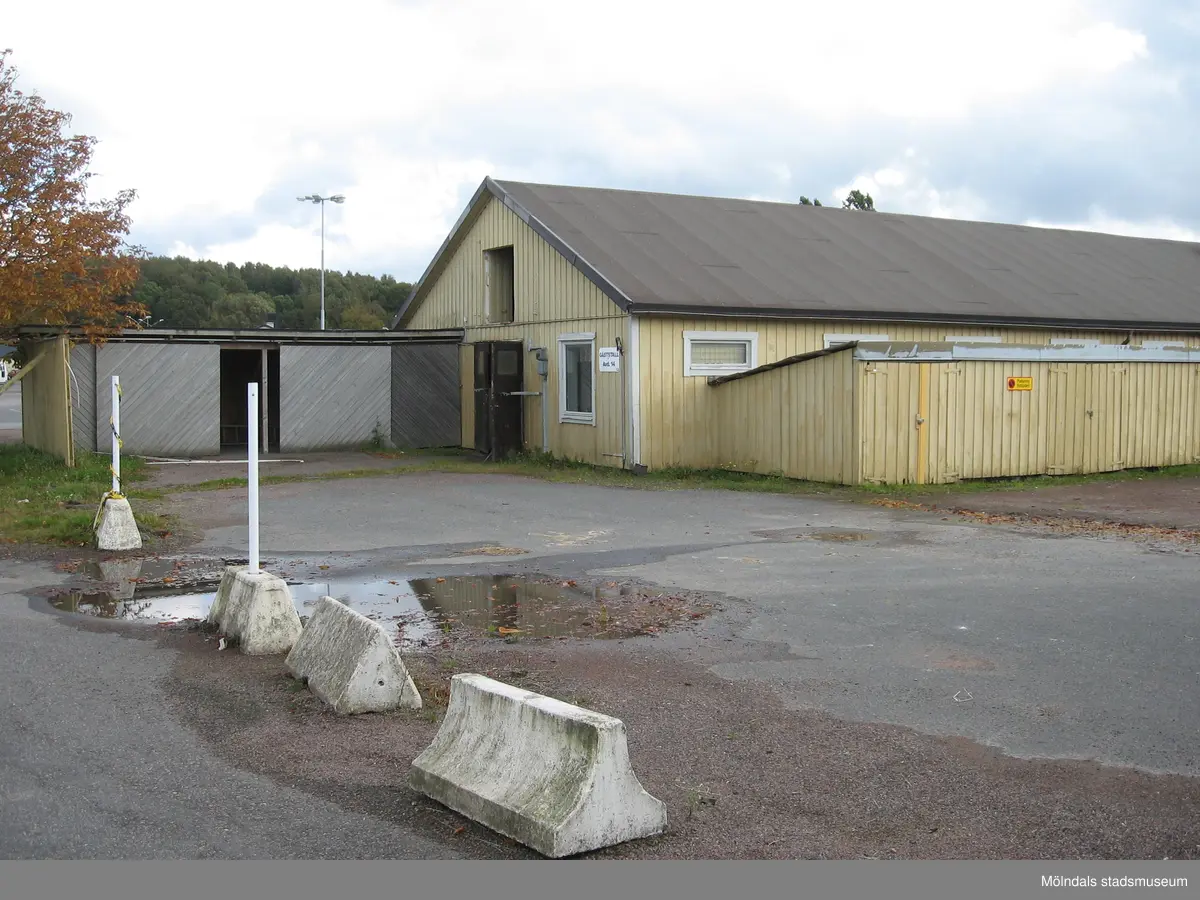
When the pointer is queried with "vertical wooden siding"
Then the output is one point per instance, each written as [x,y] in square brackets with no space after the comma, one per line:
[677,409]
[547,288]
[1079,418]
[551,298]
[46,400]
[589,443]
[797,421]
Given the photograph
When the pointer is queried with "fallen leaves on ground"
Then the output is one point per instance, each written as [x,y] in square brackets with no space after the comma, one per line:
[1061,524]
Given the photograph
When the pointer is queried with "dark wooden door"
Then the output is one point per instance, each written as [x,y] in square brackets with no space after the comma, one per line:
[508,378]
[483,391]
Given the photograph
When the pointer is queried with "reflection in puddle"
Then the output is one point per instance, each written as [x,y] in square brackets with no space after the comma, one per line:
[421,609]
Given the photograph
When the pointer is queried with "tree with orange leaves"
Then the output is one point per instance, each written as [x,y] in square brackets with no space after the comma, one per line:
[64,259]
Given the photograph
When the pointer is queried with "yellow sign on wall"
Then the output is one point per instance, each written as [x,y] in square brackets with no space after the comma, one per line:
[1020,384]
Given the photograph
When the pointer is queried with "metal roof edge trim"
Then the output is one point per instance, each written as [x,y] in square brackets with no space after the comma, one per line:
[937,351]
[834,315]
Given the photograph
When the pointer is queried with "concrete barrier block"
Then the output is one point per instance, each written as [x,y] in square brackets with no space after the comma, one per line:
[350,662]
[216,612]
[257,609]
[553,776]
[117,529]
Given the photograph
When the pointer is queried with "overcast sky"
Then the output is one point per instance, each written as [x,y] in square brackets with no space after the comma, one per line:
[1055,112]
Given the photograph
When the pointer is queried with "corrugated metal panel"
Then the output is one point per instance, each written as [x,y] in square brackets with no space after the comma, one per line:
[797,421]
[46,400]
[83,396]
[676,409]
[333,397]
[547,287]
[702,253]
[426,395]
[170,397]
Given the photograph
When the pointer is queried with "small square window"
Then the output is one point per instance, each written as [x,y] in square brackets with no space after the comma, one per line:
[719,352]
[576,386]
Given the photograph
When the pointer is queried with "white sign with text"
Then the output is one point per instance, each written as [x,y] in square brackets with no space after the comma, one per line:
[610,359]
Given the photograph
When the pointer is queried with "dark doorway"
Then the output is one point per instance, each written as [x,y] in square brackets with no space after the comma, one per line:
[499,381]
[238,369]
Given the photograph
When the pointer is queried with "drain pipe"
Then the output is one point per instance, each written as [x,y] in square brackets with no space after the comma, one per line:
[543,368]
[624,454]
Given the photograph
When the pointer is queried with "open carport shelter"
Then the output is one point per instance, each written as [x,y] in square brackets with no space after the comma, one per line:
[183,392]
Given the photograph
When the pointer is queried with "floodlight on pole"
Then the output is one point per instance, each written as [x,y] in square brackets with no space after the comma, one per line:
[318,199]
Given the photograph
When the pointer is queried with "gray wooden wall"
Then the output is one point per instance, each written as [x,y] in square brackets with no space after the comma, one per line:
[83,397]
[333,397]
[426,399]
[330,397]
[170,397]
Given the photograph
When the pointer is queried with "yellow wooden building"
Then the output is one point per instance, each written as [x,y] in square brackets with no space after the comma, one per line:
[652,330]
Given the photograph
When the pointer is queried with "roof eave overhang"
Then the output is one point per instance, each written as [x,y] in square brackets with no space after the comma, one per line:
[839,315]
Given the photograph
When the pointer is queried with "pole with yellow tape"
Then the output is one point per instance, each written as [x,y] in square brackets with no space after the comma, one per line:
[115,526]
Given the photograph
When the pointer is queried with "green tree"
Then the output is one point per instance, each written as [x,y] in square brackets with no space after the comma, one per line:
[184,293]
[804,201]
[360,316]
[856,199]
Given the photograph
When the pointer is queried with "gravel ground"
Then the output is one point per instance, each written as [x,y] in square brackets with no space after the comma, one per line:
[1157,502]
[742,776]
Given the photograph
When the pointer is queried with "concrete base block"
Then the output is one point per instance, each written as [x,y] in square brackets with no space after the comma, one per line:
[117,529]
[257,609]
[350,662]
[553,776]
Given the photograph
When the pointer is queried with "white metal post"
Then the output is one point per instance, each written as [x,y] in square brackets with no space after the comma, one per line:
[116,435]
[322,265]
[252,459]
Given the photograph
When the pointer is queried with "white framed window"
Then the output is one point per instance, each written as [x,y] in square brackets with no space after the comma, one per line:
[719,352]
[576,378]
[832,340]
[973,339]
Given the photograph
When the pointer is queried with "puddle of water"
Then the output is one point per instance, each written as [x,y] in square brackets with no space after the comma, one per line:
[421,610]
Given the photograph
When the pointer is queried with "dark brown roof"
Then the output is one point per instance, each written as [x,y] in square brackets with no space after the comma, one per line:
[667,253]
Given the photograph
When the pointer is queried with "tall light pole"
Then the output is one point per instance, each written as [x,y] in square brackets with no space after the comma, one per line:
[318,199]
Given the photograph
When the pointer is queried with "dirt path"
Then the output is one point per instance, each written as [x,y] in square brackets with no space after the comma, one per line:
[742,776]
[1161,502]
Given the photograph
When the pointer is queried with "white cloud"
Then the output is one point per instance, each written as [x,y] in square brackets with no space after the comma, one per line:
[1099,220]
[209,111]
[903,187]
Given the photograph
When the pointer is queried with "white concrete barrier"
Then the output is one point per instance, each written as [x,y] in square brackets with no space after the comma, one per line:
[116,528]
[350,662]
[257,609]
[553,776]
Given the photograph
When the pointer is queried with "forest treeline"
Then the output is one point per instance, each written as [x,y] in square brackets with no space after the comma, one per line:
[185,293]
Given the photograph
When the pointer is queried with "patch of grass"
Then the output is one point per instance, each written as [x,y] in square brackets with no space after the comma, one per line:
[44,502]
[565,471]
[1029,482]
